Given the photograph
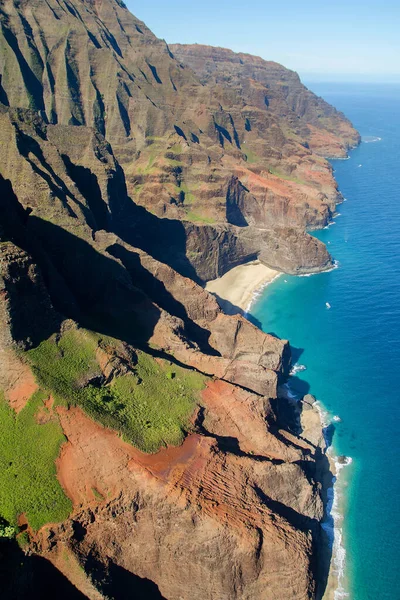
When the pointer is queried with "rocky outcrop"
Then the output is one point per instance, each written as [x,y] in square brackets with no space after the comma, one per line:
[210,502]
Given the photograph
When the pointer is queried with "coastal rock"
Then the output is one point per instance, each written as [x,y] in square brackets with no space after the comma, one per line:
[311,423]
[203,499]
[237,338]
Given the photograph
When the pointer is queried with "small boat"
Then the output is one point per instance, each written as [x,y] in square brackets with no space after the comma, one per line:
[328,306]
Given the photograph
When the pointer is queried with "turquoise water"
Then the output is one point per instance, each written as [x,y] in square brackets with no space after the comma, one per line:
[352,351]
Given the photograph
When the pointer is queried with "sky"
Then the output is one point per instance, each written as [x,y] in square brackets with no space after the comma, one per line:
[323,40]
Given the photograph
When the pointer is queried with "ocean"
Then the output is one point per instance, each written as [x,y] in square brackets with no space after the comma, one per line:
[351,350]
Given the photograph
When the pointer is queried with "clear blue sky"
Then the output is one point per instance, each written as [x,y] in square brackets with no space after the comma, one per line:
[321,39]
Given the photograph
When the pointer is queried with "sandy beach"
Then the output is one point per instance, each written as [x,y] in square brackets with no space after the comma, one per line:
[235,289]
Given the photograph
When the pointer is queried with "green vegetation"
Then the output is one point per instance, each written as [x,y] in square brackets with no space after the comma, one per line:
[196,218]
[172,162]
[251,156]
[23,539]
[286,177]
[176,149]
[155,404]
[138,188]
[64,366]
[7,531]
[152,159]
[193,254]
[97,494]
[150,407]
[189,197]
[28,482]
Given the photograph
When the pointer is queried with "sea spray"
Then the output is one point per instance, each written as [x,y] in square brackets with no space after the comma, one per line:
[297,369]
[334,516]
[335,265]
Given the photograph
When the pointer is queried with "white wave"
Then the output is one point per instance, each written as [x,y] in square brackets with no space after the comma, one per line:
[342,461]
[338,550]
[297,369]
[335,265]
[258,293]
[336,419]
[370,139]
[330,224]
[333,521]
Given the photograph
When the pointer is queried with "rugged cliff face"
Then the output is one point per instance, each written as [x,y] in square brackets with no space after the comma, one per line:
[144,444]
[267,90]
[237,153]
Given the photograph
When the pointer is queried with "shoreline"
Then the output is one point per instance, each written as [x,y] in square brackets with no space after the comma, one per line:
[237,289]
[337,583]
[315,422]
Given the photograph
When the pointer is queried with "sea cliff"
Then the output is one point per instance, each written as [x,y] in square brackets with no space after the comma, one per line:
[151,448]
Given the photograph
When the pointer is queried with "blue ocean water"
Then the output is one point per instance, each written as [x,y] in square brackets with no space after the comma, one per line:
[352,350]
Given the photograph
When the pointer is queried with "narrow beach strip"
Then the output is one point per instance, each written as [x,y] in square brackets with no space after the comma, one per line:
[236,289]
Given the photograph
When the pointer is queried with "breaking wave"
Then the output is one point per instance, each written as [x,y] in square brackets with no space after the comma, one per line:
[370,139]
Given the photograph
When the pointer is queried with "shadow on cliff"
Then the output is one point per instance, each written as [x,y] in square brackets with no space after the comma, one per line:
[95,289]
[157,292]
[119,584]
[231,309]
[83,284]
[113,293]
[32,577]
[289,411]
[105,297]
[164,239]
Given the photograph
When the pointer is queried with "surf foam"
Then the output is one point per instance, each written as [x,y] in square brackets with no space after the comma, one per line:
[333,521]
[258,293]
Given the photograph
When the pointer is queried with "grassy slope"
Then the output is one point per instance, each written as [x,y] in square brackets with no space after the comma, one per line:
[28,482]
[150,407]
